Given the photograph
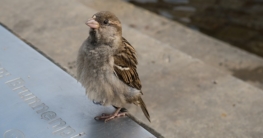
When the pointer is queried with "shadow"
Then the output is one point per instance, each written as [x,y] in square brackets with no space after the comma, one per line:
[79,113]
[118,128]
[236,22]
[249,74]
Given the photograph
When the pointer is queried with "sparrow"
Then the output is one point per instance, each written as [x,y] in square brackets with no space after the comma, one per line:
[106,66]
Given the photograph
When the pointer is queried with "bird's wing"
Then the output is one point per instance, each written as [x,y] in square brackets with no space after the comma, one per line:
[125,65]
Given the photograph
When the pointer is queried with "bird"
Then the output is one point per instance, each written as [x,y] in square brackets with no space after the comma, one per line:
[107,67]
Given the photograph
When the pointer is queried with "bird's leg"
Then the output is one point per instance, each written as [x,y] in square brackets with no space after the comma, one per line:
[108,117]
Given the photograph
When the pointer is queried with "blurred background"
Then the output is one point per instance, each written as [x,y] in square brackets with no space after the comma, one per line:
[238,22]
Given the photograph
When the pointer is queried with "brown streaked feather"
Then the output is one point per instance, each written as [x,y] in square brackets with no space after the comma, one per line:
[125,57]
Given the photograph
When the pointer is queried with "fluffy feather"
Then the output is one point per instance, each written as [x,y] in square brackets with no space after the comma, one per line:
[106,64]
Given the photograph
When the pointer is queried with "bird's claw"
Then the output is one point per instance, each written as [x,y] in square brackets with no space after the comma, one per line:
[108,117]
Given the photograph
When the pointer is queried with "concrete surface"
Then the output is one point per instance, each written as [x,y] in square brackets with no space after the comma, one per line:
[186,96]
[239,63]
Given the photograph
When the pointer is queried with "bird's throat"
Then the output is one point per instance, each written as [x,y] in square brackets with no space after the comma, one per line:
[93,37]
[97,38]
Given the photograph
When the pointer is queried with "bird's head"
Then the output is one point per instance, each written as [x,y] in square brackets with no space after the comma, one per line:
[105,27]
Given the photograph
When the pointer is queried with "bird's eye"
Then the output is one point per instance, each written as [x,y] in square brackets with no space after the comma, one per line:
[105,21]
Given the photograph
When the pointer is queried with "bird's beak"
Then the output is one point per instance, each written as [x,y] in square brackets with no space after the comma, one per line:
[92,23]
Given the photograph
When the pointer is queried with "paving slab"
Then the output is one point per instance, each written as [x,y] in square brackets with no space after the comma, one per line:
[185,96]
[239,63]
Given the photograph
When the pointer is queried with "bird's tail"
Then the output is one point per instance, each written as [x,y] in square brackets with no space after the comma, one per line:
[144,109]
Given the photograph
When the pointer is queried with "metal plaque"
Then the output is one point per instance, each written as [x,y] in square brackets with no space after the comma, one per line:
[40,100]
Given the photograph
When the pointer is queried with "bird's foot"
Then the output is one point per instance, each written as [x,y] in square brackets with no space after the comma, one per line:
[108,117]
